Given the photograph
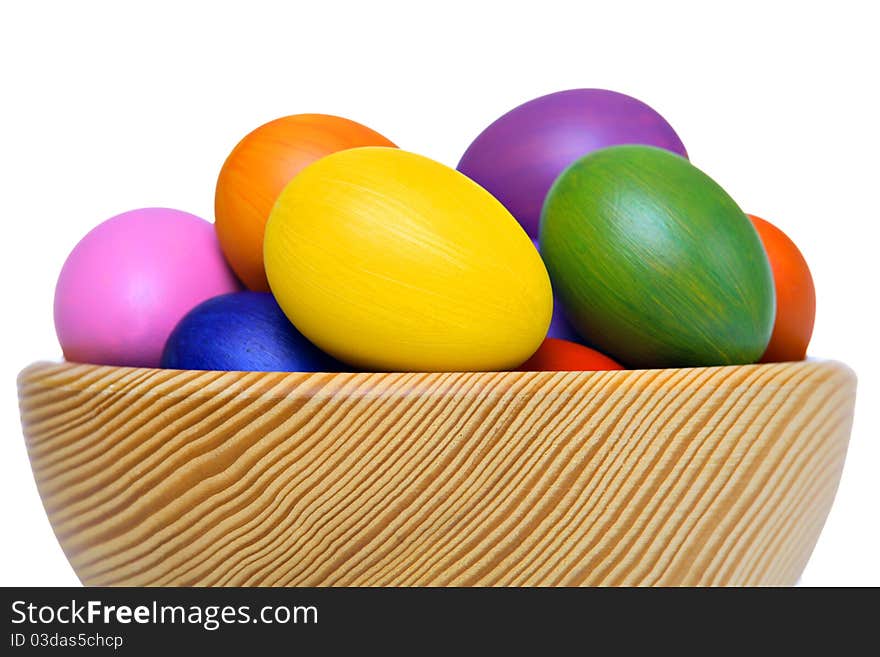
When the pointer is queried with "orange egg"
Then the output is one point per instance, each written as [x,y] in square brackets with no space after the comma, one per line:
[795,295]
[555,355]
[259,167]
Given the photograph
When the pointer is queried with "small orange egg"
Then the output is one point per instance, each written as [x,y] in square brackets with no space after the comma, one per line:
[258,169]
[795,295]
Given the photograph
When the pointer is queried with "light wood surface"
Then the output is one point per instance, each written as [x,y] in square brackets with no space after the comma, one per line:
[665,477]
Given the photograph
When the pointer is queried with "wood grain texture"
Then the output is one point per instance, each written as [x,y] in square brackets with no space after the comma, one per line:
[657,477]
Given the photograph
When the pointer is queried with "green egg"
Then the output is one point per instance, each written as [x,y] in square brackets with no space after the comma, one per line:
[654,263]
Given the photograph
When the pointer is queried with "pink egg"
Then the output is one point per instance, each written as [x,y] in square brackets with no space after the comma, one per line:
[129,281]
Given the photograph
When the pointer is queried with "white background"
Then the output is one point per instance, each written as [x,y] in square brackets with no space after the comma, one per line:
[105,107]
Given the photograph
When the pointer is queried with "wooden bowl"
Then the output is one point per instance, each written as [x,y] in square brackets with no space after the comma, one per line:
[719,475]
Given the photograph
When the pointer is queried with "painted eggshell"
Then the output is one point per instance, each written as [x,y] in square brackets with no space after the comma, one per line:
[259,167]
[388,260]
[243,331]
[130,280]
[555,355]
[560,327]
[795,295]
[519,156]
[655,264]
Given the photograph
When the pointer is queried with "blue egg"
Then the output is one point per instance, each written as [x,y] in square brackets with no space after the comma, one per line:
[560,327]
[243,331]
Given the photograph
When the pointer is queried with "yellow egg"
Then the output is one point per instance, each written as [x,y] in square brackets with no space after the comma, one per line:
[388,260]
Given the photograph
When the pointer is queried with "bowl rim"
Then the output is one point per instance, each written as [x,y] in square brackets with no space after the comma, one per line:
[91,377]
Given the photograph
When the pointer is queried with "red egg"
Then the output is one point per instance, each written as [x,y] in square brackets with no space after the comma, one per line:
[555,355]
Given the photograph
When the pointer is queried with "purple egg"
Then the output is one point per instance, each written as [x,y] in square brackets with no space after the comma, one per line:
[519,156]
[559,325]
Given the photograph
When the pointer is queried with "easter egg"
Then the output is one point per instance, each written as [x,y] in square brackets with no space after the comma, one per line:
[655,264]
[258,169]
[129,281]
[555,355]
[243,331]
[560,327]
[388,260]
[519,156]
[795,295]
